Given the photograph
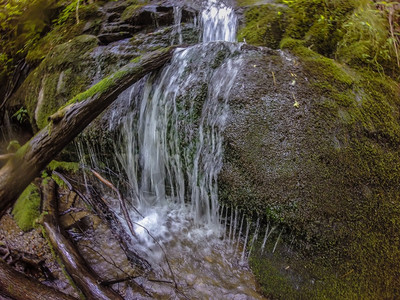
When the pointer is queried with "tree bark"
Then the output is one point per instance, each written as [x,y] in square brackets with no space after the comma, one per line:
[20,287]
[67,123]
[82,275]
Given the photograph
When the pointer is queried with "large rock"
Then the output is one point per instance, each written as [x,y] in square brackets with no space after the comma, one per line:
[312,146]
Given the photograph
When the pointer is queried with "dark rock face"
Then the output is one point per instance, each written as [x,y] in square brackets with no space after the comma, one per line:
[124,21]
[275,147]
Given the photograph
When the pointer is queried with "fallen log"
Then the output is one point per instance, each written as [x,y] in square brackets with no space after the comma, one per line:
[82,275]
[67,123]
[20,287]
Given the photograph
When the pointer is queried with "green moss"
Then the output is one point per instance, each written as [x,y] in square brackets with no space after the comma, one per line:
[322,69]
[66,71]
[219,58]
[136,59]
[131,9]
[26,208]
[71,167]
[100,87]
[349,176]
[64,32]
[264,25]
[13,146]
[273,283]
[318,22]
[21,151]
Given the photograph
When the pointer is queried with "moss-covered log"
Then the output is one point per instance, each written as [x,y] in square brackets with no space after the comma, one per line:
[31,158]
[20,287]
[82,275]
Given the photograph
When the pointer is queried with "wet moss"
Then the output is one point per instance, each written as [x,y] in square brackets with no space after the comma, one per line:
[58,78]
[98,88]
[27,208]
[336,187]
[219,58]
[264,25]
[273,284]
[71,167]
[323,69]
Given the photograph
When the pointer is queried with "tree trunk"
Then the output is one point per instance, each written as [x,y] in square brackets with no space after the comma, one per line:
[82,275]
[20,287]
[67,123]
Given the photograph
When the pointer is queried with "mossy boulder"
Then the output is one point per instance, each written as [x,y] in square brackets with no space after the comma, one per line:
[67,70]
[312,146]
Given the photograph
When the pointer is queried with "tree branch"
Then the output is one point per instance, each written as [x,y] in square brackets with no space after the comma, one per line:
[34,156]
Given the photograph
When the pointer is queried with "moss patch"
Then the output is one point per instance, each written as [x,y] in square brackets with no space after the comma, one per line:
[60,76]
[264,25]
[26,208]
[130,11]
[71,167]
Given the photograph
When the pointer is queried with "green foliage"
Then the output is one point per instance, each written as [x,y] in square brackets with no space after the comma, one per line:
[360,33]
[132,8]
[21,25]
[264,26]
[66,13]
[366,40]
[26,208]
[21,115]
[13,146]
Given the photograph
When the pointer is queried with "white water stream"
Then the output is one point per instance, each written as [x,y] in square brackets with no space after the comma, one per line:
[171,152]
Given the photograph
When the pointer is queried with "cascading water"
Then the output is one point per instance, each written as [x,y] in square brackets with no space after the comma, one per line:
[170,149]
[158,167]
[219,22]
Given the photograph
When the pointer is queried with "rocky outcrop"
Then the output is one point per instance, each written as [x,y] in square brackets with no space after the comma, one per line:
[109,38]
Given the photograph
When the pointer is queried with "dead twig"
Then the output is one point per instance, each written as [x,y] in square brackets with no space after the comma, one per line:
[70,186]
[121,199]
[6,156]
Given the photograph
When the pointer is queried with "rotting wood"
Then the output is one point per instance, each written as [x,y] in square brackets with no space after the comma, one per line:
[82,275]
[34,156]
[20,287]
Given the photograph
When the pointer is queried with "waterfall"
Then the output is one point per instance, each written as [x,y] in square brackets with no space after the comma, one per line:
[171,151]
[219,22]
[166,157]
[169,146]
[168,152]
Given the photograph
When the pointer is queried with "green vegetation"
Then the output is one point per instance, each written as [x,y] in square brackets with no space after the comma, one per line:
[265,25]
[26,208]
[22,24]
[13,146]
[132,8]
[358,258]
[71,167]
[359,33]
